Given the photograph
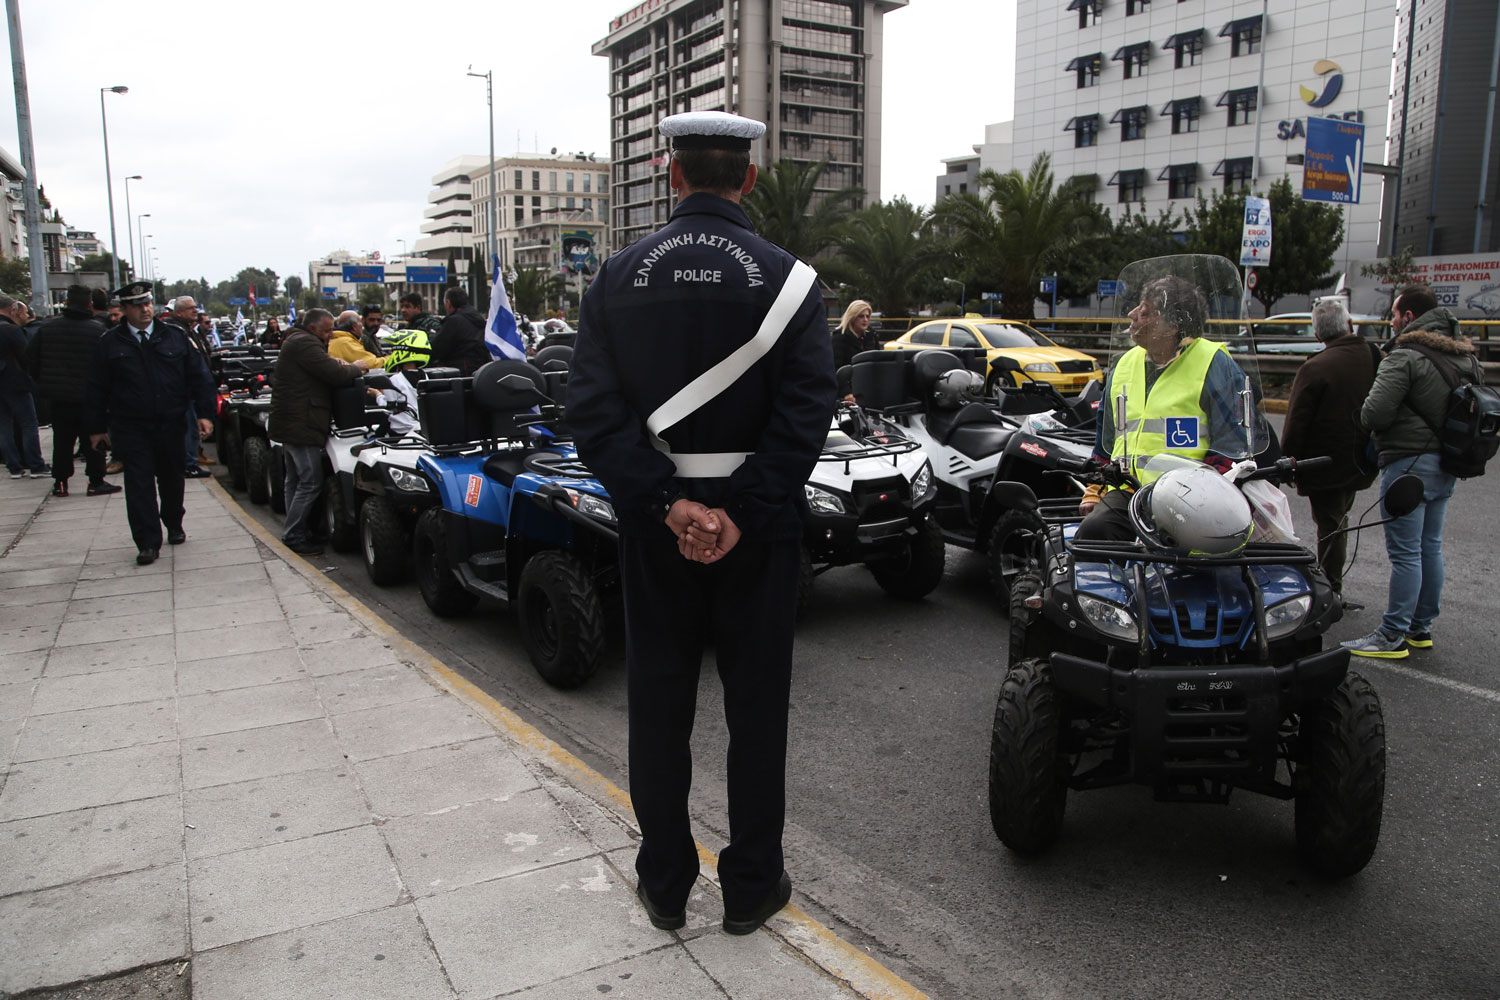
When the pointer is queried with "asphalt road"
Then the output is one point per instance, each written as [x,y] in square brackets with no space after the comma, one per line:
[889,839]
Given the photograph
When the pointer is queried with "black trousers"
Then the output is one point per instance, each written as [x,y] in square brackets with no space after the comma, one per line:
[152,455]
[745,606]
[1110,520]
[67,431]
[1330,511]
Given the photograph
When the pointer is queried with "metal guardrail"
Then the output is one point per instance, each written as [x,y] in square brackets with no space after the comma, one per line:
[1092,334]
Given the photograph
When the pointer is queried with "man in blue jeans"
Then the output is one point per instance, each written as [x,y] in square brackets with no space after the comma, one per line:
[1409,398]
[20,444]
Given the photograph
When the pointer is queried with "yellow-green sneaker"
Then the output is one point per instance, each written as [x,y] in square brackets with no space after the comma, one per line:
[1419,640]
[1378,644]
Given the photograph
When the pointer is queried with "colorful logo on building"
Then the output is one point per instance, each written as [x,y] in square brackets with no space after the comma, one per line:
[1331,86]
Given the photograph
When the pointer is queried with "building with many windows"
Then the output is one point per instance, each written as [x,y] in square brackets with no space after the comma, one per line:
[809,69]
[1156,101]
[548,205]
[448,222]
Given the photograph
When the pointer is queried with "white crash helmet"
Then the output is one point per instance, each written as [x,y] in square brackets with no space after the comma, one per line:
[956,387]
[1193,510]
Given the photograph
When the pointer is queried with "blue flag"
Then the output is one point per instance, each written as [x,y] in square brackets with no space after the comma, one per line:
[500,333]
[291,313]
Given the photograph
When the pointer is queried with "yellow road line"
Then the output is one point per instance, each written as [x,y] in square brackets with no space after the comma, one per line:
[817,943]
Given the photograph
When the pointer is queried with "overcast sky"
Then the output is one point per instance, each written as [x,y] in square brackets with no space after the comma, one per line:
[269,134]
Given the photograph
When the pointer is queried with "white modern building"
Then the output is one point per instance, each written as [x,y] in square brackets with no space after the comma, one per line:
[961,173]
[810,69]
[1155,101]
[448,222]
[549,205]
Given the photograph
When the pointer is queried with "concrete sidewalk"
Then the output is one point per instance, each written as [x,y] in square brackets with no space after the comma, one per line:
[223,759]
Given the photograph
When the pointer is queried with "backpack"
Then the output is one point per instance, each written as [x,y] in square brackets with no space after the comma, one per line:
[1469,434]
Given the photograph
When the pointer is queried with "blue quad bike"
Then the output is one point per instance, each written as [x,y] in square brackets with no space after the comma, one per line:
[1191,668]
[518,518]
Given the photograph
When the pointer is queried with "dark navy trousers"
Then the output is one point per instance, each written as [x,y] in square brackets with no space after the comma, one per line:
[152,455]
[744,606]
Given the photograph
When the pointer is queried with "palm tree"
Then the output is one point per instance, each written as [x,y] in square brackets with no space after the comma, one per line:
[1024,225]
[885,253]
[534,288]
[781,207]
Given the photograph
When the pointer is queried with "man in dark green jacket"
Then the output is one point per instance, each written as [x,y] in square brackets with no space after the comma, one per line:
[301,412]
[1407,401]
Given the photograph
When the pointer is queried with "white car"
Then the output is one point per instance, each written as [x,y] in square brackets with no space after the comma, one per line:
[1292,333]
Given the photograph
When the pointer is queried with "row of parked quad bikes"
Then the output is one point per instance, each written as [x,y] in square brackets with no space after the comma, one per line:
[491,501]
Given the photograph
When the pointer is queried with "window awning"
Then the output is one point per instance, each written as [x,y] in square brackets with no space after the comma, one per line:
[1240,163]
[1139,111]
[1084,5]
[1129,51]
[1084,122]
[1183,38]
[1127,176]
[1091,61]
[1246,96]
[1181,104]
[1179,172]
[1238,25]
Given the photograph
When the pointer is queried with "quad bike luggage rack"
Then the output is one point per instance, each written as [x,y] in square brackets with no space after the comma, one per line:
[848,456]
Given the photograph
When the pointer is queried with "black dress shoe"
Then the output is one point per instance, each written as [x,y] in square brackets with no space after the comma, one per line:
[176,537]
[660,920]
[750,922]
[101,488]
[145,557]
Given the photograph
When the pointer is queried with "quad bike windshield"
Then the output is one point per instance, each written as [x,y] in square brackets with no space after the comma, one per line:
[1185,311]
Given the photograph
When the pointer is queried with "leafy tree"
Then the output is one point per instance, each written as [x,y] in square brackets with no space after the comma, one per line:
[309,299]
[785,209]
[1023,226]
[885,254]
[263,278]
[1397,271]
[1115,243]
[101,262]
[534,289]
[293,286]
[373,295]
[1307,234]
[15,276]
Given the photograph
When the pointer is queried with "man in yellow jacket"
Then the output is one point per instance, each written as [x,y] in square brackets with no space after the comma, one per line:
[345,344]
[1180,393]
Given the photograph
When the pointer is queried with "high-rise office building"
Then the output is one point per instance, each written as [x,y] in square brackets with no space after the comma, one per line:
[1445,129]
[809,69]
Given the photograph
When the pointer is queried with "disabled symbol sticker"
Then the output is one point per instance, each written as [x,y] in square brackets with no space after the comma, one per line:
[1182,432]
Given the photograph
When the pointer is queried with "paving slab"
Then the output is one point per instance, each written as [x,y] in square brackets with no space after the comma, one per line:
[388,684]
[393,729]
[760,967]
[52,613]
[91,730]
[332,627]
[235,897]
[223,673]
[229,614]
[21,597]
[44,851]
[351,654]
[664,974]
[27,666]
[260,639]
[89,589]
[27,638]
[584,913]
[242,573]
[92,928]
[264,811]
[384,953]
[73,692]
[38,577]
[441,777]
[483,840]
[139,625]
[119,606]
[258,753]
[124,568]
[96,656]
[212,595]
[249,708]
[60,784]
[207,558]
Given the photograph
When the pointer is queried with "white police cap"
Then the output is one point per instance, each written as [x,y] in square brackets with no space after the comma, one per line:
[711,130]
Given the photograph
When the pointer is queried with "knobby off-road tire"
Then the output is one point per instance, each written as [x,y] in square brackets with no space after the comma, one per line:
[445,596]
[278,481]
[1340,779]
[1023,620]
[1027,793]
[258,469]
[383,541]
[230,453]
[338,520]
[1011,551]
[562,618]
[917,573]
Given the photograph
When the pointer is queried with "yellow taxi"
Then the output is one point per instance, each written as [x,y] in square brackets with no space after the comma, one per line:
[1069,370]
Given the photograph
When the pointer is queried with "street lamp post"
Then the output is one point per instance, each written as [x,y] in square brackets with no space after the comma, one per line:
[489,96]
[109,187]
[129,234]
[140,230]
[403,247]
[962,291]
[146,255]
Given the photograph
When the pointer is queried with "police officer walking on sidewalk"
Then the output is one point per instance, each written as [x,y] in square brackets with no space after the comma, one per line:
[143,377]
[701,391]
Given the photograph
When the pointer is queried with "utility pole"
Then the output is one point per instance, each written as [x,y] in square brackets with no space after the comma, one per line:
[28,161]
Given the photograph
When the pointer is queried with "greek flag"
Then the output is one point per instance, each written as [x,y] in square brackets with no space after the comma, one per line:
[239,318]
[291,313]
[500,334]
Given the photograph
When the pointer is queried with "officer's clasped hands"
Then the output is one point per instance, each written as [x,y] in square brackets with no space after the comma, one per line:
[703,535]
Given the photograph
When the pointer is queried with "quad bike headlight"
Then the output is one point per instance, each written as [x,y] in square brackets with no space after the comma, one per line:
[1285,618]
[411,482]
[1111,619]
[592,505]
[821,501]
[922,481]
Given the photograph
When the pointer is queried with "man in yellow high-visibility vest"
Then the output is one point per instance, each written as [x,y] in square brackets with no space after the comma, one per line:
[1181,391]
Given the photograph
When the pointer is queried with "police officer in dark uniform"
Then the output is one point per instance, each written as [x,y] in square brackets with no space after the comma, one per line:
[700,394]
[143,376]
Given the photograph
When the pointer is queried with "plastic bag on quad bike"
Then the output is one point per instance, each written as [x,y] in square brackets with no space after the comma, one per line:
[1181,336]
